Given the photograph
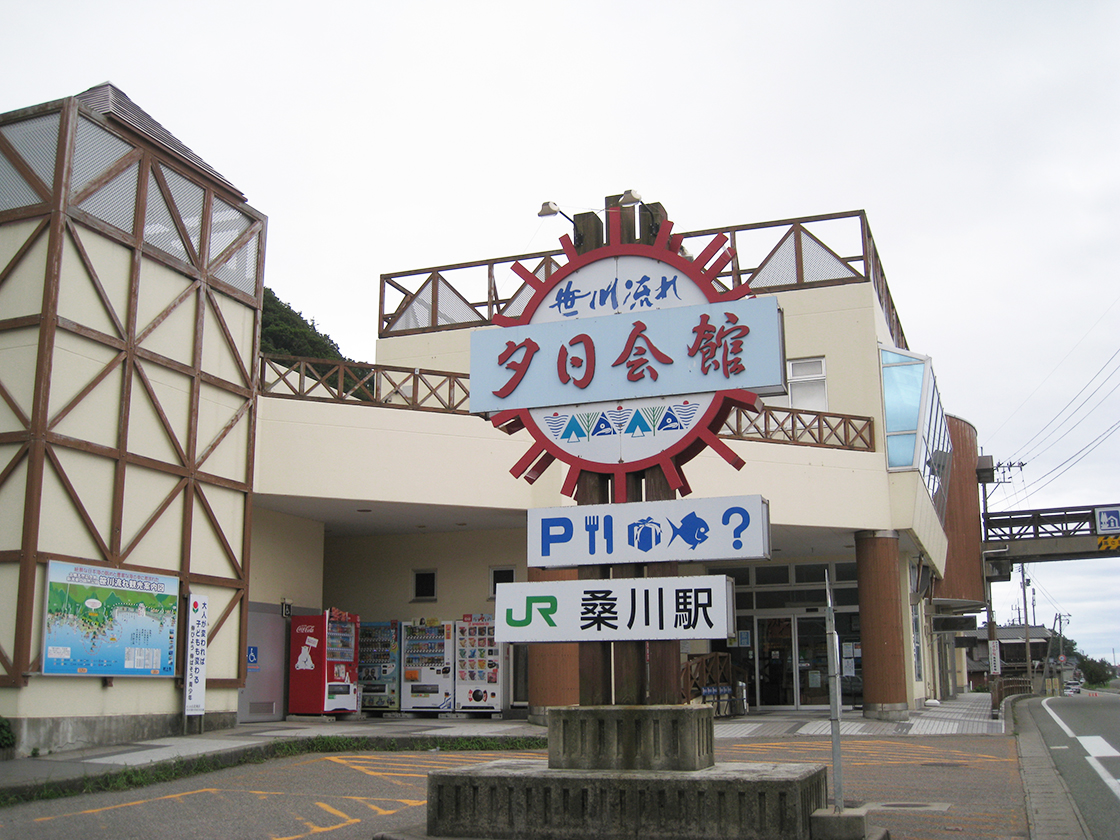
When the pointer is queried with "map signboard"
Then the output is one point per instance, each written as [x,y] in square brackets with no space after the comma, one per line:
[103,621]
[636,609]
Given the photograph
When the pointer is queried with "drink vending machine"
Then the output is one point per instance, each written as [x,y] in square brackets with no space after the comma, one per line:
[379,659]
[427,678]
[478,665]
[324,663]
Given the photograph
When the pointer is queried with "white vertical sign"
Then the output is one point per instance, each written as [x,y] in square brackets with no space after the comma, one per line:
[195,678]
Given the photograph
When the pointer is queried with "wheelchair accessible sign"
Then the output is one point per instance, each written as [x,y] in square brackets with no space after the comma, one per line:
[728,528]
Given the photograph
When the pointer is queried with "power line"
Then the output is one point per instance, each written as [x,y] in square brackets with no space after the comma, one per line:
[1024,451]
[1074,459]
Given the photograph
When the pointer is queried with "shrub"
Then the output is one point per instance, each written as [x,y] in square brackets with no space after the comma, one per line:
[7,736]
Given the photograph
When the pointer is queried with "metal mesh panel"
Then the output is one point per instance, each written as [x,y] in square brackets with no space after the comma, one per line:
[452,308]
[240,270]
[519,301]
[95,150]
[159,229]
[780,269]
[227,224]
[115,203]
[14,191]
[188,198]
[419,311]
[36,140]
[821,264]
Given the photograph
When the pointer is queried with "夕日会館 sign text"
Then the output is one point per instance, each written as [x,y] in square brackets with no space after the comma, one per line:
[659,352]
[726,528]
[622,609]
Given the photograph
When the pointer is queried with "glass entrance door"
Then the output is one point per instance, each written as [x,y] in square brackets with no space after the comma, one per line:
[792,661]
[812,661]
[777,684]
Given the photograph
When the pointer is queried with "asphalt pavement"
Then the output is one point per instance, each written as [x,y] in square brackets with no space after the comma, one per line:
[950,770]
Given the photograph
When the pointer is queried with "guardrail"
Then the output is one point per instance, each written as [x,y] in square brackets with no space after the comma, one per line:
[387,386]
[1035,524]
[358,383]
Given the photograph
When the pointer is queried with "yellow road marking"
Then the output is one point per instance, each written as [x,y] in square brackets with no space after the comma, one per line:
[128,804]
[871,752]
[322,829]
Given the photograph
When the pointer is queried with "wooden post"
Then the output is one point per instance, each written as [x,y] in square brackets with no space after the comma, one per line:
[594,657]
[664,656]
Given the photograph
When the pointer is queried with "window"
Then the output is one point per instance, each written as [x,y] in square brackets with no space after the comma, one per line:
[423,584]
[806,381]
[499,574]
[916,429]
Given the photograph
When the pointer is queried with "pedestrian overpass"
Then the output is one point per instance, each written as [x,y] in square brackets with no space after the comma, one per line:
[1035,536]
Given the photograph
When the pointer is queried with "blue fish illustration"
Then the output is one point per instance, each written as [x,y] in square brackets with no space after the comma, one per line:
[693,530]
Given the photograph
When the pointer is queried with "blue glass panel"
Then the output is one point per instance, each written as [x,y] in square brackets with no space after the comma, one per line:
[902,396]
[900,450]
[890,358]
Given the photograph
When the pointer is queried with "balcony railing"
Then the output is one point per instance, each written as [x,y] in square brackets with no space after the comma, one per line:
[386,386]
[778,256]
[358,383]
[802,428]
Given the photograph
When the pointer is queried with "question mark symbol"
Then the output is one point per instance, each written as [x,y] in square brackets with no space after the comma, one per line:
[742,526]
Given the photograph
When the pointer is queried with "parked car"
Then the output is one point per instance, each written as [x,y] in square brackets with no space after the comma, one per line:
[1072,687]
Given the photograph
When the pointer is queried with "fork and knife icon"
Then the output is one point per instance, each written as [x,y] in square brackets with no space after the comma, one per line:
[591,523]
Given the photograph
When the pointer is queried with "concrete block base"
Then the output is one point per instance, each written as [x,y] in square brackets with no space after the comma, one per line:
[526,800]
[631,737]
[826,824]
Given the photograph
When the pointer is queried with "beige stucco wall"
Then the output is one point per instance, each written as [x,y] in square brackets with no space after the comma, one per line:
[287,563]
[372,576]
[449,350]
[336,451]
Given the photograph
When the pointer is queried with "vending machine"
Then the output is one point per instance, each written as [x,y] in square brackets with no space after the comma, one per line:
[379,660]
[478,665]
[324,664]
[427,677]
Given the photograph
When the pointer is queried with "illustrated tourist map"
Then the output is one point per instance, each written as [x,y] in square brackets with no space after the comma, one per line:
[109,622]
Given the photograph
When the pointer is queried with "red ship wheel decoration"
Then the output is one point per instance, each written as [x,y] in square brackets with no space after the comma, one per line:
[632,426]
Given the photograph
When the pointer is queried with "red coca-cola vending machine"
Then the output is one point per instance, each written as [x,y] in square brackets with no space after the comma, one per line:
[324,664]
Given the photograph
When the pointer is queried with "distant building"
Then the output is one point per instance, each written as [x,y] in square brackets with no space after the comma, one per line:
[1012,646]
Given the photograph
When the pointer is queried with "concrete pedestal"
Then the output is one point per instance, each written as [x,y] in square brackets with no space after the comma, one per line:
[525,800]
[631,737]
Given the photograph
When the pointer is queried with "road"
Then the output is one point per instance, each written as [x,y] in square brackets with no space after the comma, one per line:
[937,788]
[1083,735]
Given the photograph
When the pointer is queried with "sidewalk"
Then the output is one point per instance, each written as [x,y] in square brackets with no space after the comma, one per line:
[1049,809]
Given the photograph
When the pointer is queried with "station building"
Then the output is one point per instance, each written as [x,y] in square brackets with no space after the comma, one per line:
[141,431]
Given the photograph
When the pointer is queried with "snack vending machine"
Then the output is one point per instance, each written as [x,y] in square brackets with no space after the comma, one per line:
[427,678]
[324,664]
[478,665]
[379,660]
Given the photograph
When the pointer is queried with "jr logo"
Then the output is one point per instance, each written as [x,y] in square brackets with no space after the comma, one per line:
[546,605]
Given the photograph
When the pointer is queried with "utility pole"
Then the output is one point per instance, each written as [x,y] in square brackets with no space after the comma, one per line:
[1026,625]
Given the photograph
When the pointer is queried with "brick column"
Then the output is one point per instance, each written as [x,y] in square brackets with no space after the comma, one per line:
[882,631]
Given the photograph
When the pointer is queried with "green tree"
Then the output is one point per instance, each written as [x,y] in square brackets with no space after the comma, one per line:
[1096,671]
[285,332]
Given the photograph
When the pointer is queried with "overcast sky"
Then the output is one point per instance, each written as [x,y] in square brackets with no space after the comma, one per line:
[981,138]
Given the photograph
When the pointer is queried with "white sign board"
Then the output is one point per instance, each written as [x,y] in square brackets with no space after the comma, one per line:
[993,657]
[195,677]
[1108,520]
[647,353]
[727,528]
[623,609]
